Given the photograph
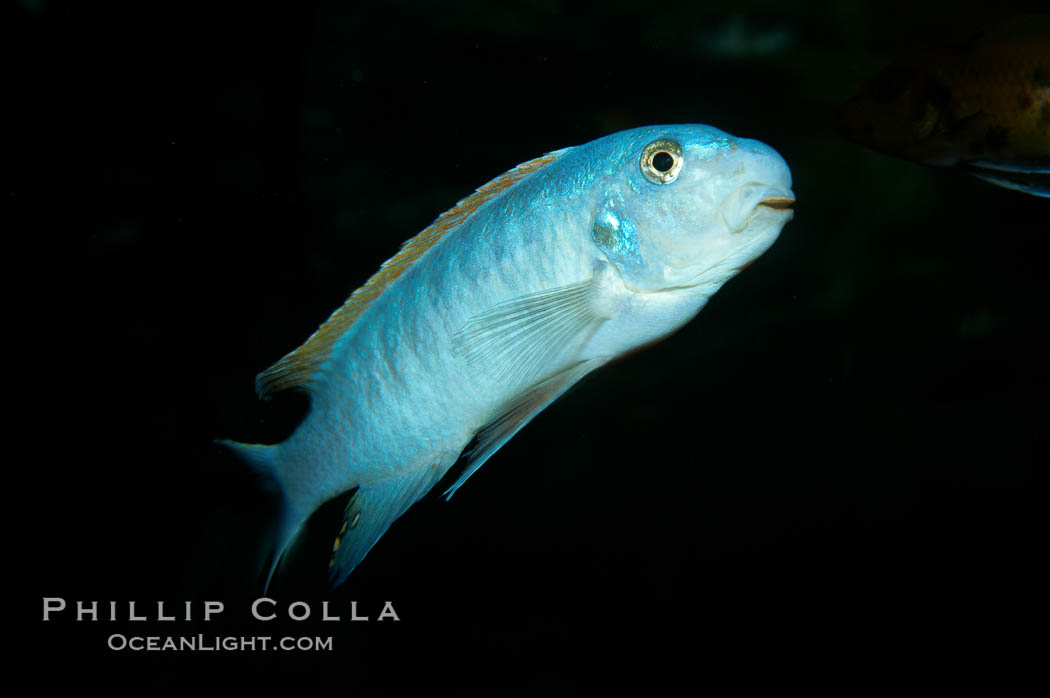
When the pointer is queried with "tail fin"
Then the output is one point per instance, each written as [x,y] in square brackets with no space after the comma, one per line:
[366,517]
[265,461]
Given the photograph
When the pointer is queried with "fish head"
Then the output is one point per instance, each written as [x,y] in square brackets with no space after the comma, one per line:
[690,206]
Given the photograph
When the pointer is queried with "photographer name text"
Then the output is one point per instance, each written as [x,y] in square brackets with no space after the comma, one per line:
[261,609]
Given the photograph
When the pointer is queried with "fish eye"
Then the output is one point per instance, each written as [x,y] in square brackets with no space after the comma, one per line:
[662,161]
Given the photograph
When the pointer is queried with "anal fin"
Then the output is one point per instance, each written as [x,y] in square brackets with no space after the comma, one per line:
[369,514]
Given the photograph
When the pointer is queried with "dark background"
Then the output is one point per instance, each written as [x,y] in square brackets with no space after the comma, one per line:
[829,475]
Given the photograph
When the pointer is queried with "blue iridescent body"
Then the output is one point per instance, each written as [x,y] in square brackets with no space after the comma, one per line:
[487,316]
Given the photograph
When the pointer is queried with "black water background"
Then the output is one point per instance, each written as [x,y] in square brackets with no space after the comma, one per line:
[833,467]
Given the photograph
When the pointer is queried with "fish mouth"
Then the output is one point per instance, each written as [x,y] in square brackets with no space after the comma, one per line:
[779,203]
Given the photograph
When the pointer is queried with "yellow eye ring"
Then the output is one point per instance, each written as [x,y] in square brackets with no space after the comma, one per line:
[662,161]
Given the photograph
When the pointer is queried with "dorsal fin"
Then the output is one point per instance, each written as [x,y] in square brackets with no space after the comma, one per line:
[296,368]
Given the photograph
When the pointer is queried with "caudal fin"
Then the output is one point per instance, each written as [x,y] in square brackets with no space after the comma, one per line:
[366,518]
[265,461]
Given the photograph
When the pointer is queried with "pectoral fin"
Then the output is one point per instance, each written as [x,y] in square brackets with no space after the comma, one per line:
[518,341]
[1031,178]
[516,413]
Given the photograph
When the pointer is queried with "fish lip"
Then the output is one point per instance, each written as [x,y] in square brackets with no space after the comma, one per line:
[779,203]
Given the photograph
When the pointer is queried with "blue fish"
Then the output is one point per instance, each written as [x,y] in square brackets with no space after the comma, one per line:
[492,312]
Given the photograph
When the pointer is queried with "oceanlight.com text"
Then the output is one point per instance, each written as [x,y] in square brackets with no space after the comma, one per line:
[216,643]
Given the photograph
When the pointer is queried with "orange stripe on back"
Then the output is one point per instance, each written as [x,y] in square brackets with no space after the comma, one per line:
[296,368]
